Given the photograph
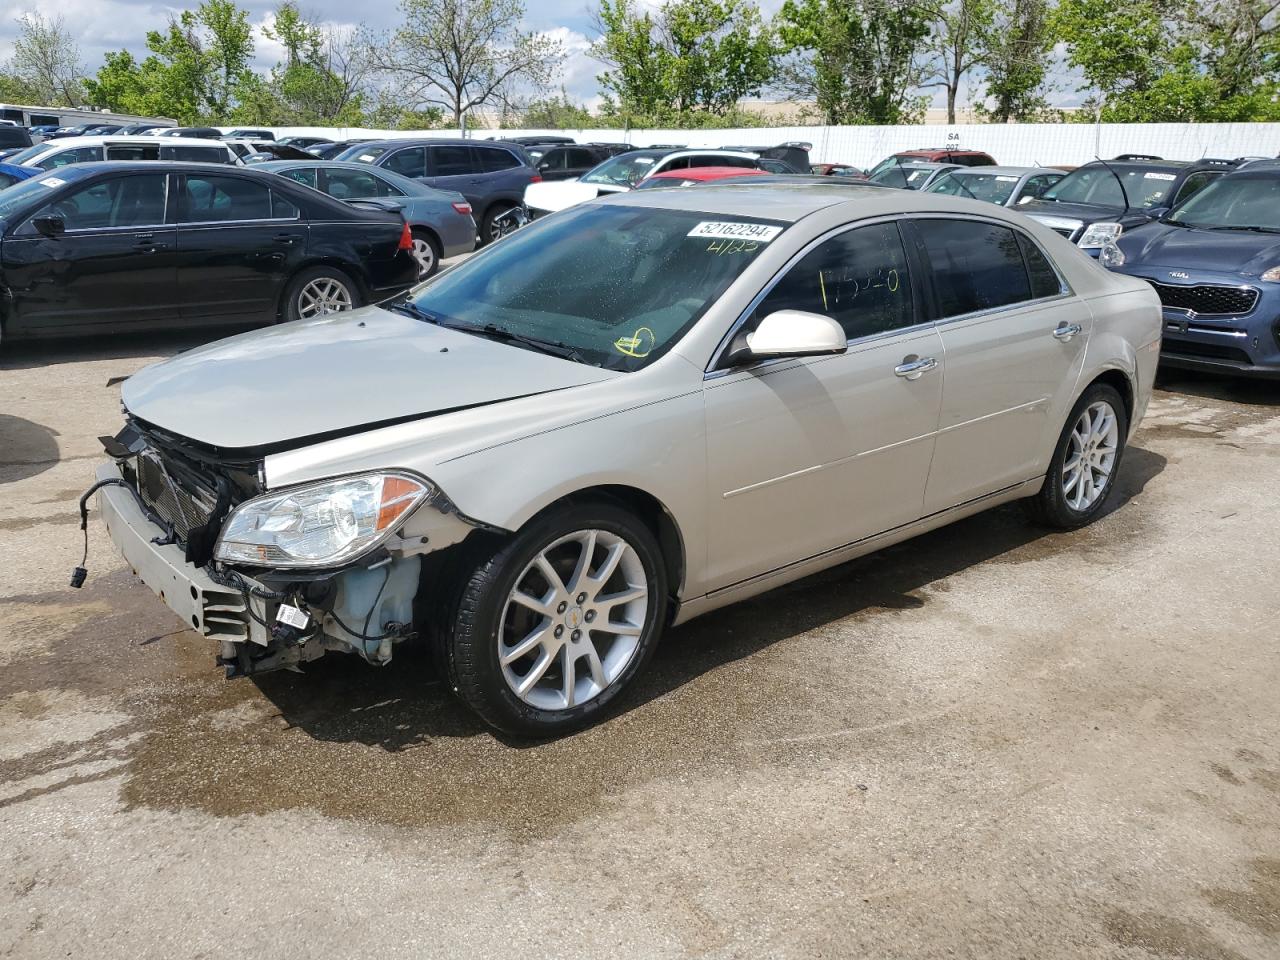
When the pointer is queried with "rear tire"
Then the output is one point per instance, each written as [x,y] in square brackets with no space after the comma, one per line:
[319,291]
[548,663]
[426,251]
[1086,461]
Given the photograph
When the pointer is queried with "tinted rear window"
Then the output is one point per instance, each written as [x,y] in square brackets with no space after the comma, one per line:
[976,266]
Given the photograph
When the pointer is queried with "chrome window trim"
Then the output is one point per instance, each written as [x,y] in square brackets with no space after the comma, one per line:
[1065,292]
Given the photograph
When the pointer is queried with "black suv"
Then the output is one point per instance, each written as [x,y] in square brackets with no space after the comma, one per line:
[491,174]
[556,161]
[1096,203]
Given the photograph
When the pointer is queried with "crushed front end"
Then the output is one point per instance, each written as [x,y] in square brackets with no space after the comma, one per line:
[275,578]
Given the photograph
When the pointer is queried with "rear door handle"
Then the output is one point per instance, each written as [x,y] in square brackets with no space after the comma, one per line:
[1066,331]
[286,238]
[913,367]
[146,242]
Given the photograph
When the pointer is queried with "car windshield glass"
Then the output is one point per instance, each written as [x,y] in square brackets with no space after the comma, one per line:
[615,285]
[994,188]
[1144,186]
[1232,202]
[904,175]
[27,154]
[625,170]
[18,197]
[362,153]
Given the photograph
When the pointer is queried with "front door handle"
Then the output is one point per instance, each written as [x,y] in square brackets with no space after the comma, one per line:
[286,238]
[913,367]
[1065,332]
[146,242]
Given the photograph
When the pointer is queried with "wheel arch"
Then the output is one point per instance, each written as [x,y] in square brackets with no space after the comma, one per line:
[1123,384]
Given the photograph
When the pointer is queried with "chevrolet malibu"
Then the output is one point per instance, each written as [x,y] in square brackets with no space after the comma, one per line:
[620,418]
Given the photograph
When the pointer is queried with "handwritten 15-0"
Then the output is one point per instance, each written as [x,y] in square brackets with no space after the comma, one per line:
[841,284]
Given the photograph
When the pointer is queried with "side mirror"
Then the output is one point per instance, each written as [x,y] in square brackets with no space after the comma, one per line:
[50,226]
[790,333]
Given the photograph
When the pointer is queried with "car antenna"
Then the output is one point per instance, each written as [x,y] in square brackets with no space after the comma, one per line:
[1111,170]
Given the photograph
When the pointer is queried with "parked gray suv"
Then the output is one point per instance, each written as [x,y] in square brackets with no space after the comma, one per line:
[492,175]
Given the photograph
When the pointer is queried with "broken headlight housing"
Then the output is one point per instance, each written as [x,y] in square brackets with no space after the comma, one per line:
[1098,235]
[321,524]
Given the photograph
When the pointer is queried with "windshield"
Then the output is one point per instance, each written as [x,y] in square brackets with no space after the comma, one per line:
[615,285]
[18,197]
[1241,203]
[624,170]
[362,153]
[1144,186]
[913,178]
[27,154]
[994,188]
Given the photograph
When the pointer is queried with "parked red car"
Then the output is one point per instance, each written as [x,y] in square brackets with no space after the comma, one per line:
[691,175]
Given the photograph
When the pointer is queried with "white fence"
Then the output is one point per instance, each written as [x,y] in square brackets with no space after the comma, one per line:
[1020,144]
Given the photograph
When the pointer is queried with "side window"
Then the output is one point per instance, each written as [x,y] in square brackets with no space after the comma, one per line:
[858,278]
[303,175]
[410,162]
[679,163]
[282,208]
[580,158]
[212,198]
[350,184]
[554,159]
[491,159]
[975,266]
[67,157]
[722,161]
[1036,186]
[1045,281]
[133,201]
[387,189]
[197,154]
[1192,185]
[451,161]
[128,151]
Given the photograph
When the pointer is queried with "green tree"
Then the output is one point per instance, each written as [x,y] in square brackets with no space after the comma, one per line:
[461,54]
[1016,50]
[856,59]
[702,55]
[556,113]
[45,66]
[955,45]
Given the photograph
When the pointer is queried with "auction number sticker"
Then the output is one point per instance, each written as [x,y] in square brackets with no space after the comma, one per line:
[721,230]
[1159,176]
[52,182]
[1007,179]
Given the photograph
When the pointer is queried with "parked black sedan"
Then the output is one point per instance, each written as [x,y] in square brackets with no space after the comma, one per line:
[118,245]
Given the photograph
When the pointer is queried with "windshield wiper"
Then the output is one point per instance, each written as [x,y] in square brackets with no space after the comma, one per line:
[553,348]
[1173,223]
[411,309]
[1251,229]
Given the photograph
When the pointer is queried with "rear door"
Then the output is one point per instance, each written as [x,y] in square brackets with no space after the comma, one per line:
[1014,339]
[238,243]
[451,166]
[113,266]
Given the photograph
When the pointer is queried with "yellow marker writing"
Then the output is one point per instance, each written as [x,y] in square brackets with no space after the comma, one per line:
[639,344]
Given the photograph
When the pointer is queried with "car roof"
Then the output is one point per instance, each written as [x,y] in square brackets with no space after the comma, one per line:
[786,201]
[131,138]
[448,141]
[1005,171]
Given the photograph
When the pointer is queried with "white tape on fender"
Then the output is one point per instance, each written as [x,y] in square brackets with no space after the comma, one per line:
[720,230]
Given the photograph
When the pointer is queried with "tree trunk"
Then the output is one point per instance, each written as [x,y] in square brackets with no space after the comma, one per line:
[951,101]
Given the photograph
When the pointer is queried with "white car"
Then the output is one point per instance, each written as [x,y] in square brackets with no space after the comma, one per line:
[52,154]
[623,172]
[620,418]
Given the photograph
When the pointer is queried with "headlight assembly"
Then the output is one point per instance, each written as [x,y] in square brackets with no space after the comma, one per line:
[321,524]
[1111,256]
[1272,274]
[1099,235]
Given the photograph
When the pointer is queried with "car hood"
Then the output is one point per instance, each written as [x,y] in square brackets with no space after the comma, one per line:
[553,195]
[1225,251]
[296,383]
[1086,212]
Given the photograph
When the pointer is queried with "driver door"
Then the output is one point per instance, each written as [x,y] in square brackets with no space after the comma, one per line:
[808,455]
[114,264]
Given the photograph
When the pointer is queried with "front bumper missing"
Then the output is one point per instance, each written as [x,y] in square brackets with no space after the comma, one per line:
[216,611]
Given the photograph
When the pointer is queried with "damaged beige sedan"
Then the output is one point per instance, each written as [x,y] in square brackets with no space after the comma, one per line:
[624,416]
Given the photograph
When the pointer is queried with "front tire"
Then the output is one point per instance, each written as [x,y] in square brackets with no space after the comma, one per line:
[1082,473]
[319,291]
[553,625]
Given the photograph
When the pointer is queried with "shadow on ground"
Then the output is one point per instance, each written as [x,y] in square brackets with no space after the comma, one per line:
[29,448]
[1253,392]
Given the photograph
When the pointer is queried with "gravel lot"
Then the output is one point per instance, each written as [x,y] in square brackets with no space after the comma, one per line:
[987,742]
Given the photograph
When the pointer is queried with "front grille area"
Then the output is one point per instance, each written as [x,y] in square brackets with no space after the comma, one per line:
[1206,351]
[1207,299]
[182,506]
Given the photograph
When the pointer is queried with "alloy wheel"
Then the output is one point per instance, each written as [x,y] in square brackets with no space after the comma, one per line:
[425,256]
[573,620]
[1091,456]
[321,296]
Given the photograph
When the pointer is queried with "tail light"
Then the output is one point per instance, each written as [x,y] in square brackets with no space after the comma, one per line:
[537,178]
[406,238]
[464,208]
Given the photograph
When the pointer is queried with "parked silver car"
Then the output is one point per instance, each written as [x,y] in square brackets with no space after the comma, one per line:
[622,417]
[1007,186]
[441,220]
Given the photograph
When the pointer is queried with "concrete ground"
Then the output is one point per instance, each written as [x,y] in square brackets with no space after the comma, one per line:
[989,742]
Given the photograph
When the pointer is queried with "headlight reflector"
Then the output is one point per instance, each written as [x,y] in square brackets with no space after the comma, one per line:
[321,524]
[1099,235]
[1111,256]
[1272,274]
